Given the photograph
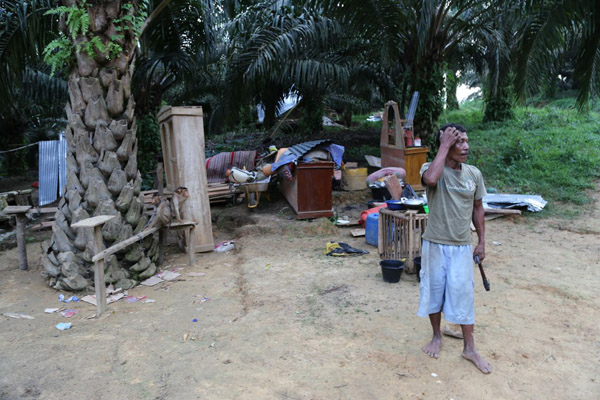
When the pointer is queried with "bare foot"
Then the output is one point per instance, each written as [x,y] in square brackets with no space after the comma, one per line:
[453,330]
[479,362]
[433,348]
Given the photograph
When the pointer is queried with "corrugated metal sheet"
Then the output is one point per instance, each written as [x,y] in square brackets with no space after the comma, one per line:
[301,149]
[48,171]
[62,164]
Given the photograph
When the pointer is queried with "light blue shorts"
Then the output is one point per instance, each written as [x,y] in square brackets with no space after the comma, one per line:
[447,283]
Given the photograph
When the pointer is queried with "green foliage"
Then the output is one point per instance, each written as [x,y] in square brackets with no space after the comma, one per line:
[429,81]
[499,105]
[78,20]
[132,21]
[551,152]
[357,153]
[149,145]
[452,82]
[61,51]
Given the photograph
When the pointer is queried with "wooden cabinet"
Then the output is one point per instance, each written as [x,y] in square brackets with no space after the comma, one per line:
[309,191]
[414,158]
[182,139]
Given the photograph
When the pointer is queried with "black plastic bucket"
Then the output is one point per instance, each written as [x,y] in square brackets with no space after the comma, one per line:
[391,270]
[417,263]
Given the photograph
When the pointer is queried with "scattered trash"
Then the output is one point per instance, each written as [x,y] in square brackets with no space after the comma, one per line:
[51,310]
[373,161]
[434,374]
[90,298]
[111,289]
[223,247]
[496,243]
[358,232]
[133,299]
[373,118]
[17,315]
[63,326]
[61,297]
[342,222]
[154,280]
[267,266]
[167,275]
[342,249]
[68,313]
[204,299]
[196,273]
[185,337]
[195,320]
[329,122]
[149,301]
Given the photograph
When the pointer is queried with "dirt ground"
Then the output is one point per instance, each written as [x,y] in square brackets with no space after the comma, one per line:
[280,320]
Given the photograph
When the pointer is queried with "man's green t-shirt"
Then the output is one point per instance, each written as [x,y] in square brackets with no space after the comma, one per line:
[450,204]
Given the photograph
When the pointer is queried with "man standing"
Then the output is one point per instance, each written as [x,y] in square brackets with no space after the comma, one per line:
[454,194]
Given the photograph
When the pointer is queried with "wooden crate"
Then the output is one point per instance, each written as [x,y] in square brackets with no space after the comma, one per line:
[400,236]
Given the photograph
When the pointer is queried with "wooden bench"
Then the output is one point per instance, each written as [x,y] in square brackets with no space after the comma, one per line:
[101,254]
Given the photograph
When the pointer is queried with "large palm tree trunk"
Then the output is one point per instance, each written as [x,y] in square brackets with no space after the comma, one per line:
[102,174]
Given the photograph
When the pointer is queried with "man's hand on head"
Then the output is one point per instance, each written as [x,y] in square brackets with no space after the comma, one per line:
[449,136]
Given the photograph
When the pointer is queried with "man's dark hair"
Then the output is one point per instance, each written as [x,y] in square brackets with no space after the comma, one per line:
[444,127]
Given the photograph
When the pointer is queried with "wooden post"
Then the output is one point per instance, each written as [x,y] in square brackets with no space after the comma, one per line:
[161,233]
[182,138]
[159,178]
[99,284]
[191,249]
[19,213]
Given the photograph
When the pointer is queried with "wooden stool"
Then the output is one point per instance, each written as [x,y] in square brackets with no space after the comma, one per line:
[188,227]
[19,213]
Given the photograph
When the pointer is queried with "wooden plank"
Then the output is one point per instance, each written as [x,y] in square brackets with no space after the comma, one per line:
[93,221]
[16,209]
[43,225]
[394,187]
[121,245]
[43,210]
[184,223]
[512,211]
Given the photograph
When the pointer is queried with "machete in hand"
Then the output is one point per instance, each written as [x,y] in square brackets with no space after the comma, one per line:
[486,284]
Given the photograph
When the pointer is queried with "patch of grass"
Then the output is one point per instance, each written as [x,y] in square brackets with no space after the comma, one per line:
[552,152]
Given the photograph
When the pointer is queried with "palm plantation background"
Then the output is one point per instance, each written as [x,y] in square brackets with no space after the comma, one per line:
[118,62]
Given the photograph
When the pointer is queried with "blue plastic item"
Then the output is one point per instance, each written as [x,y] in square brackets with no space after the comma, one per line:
[372,229]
